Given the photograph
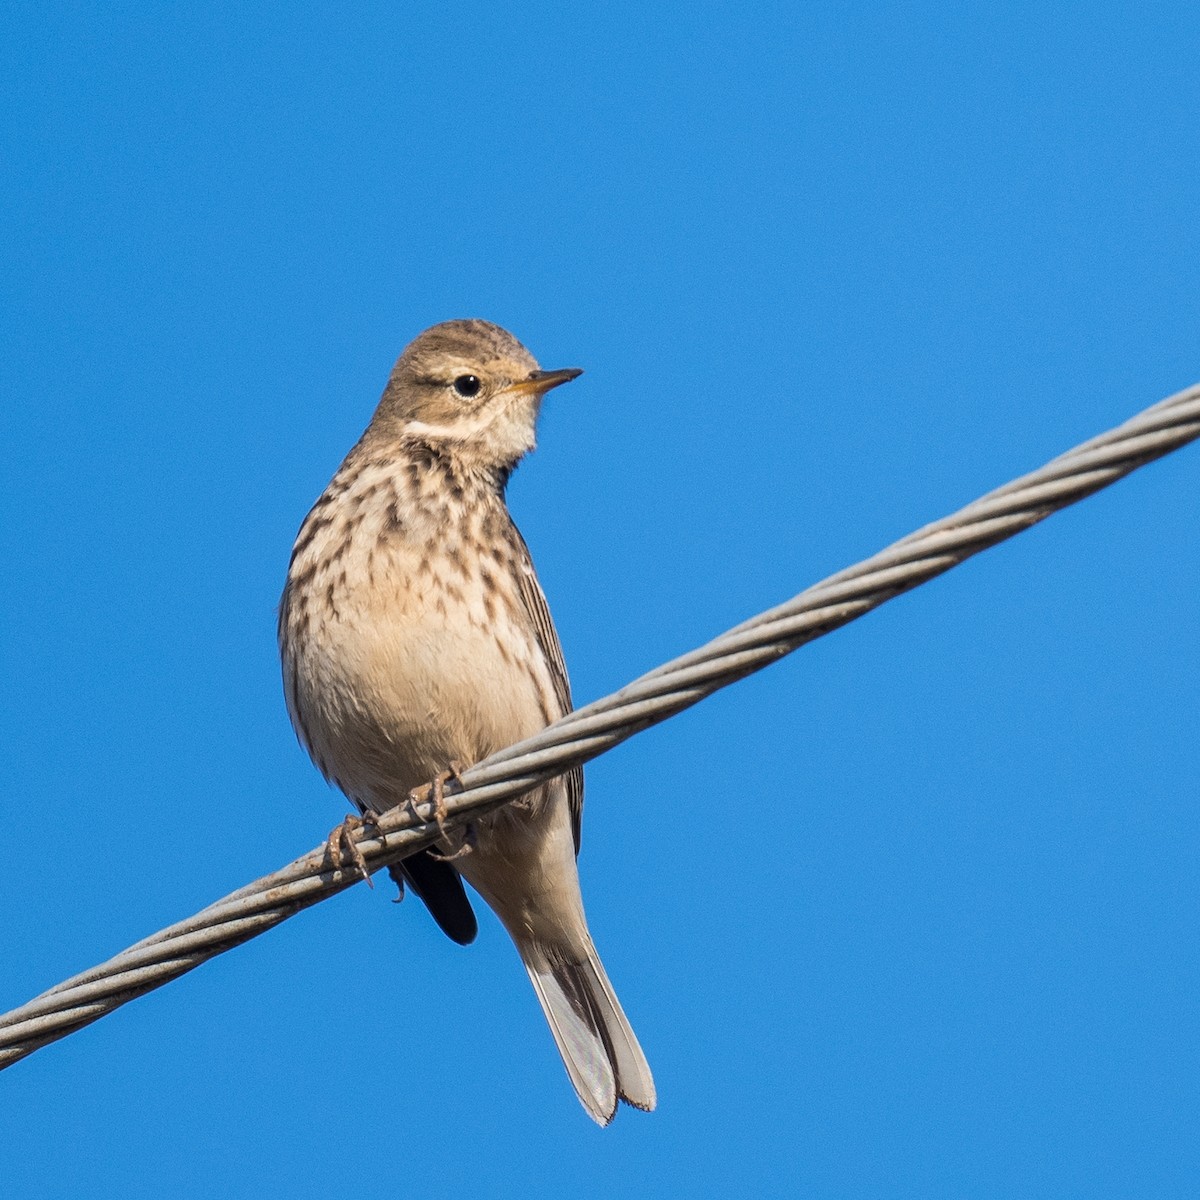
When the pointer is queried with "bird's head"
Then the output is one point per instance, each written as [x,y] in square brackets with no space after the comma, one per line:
[468,388]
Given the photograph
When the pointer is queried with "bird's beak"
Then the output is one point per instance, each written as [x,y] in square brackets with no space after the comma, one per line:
[540,382]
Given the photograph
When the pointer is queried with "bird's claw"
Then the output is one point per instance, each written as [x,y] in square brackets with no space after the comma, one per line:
[468,844]
[344,851]
[434,793]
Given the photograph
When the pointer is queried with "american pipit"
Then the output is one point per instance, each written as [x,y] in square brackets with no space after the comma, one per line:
[414,635]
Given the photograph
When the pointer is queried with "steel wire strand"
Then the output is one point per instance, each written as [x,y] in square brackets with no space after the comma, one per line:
[589,731]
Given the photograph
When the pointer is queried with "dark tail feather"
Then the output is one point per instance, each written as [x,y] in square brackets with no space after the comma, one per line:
[440,888]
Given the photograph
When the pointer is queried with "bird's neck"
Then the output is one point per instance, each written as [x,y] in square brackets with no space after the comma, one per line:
[459,467]
[424,487]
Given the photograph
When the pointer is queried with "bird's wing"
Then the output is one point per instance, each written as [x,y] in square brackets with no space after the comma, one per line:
[547,637]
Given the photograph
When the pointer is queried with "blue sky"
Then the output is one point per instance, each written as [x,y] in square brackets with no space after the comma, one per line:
[911,914]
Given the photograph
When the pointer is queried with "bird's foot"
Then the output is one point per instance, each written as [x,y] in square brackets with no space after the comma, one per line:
[434,793]
[468,844]
[344,851]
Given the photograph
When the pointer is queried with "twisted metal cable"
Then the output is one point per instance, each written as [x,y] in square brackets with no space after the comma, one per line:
[599,726]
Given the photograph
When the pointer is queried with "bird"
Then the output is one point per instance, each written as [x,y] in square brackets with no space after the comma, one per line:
[415,637]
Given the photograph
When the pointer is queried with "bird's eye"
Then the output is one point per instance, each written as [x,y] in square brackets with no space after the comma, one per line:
[467,385]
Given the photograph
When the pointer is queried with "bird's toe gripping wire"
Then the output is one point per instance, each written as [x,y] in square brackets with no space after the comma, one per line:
[342,848]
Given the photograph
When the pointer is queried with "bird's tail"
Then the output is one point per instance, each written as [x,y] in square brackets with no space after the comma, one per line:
[598,1048]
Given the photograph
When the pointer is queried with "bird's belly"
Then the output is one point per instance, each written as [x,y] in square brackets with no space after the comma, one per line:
[389,702]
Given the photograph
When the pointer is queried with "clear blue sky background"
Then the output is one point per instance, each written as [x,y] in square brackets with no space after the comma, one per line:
[912,914]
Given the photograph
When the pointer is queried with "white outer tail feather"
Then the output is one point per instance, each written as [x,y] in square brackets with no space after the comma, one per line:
[598,1048]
